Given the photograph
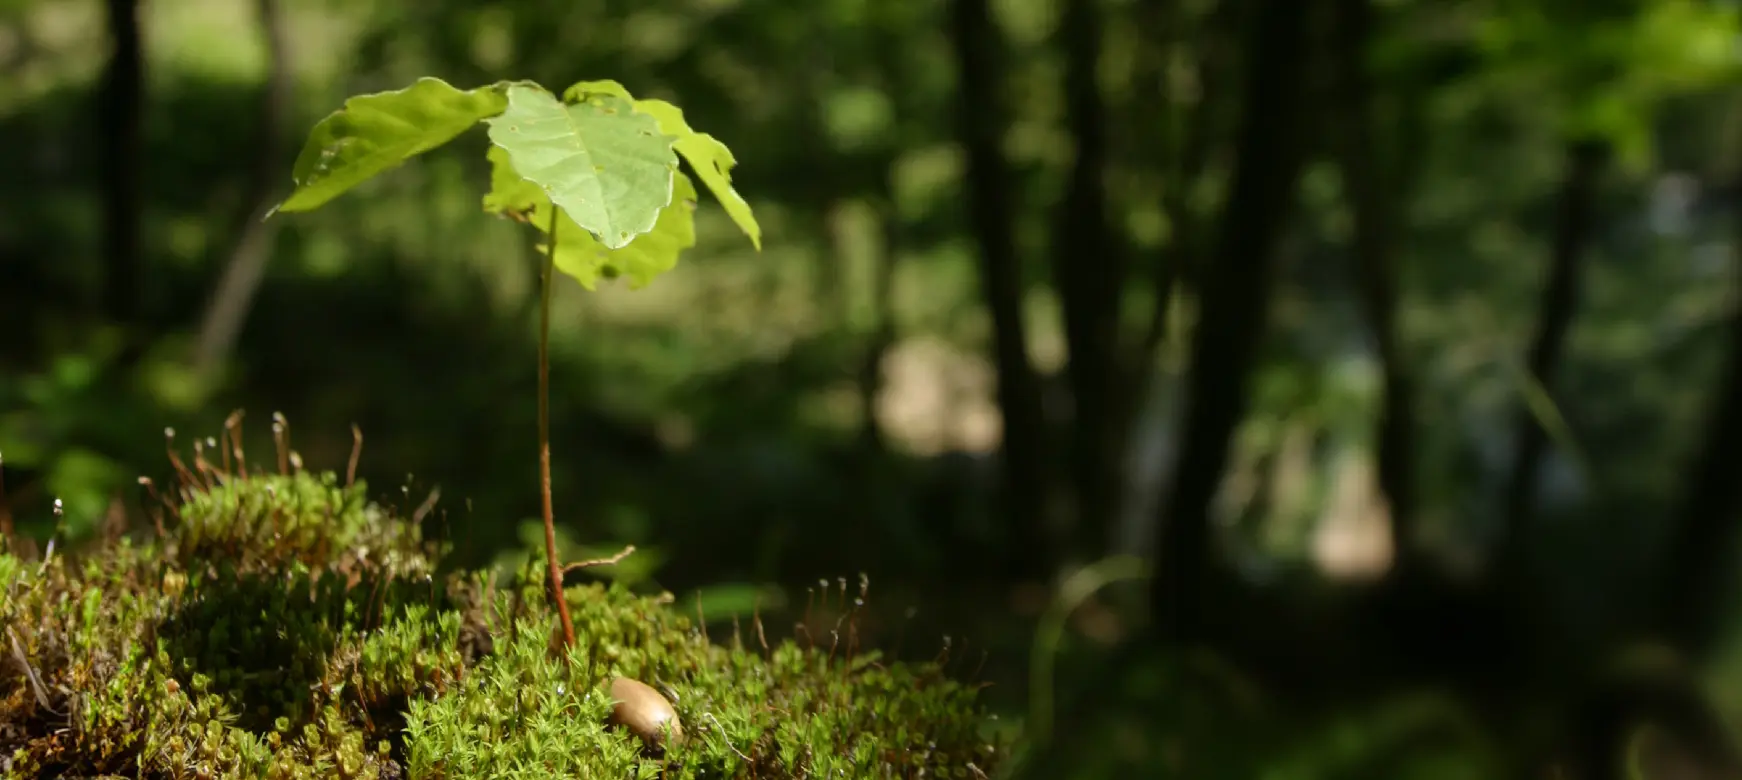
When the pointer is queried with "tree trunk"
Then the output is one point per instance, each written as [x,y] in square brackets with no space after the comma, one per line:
[120,113]
[1559,300]
[248,257]
[1703,536]
[980,123]
[1089,272]
[1373,205]
[883,333]
[1235,297]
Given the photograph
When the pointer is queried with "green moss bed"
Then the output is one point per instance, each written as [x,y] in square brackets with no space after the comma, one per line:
[282,625]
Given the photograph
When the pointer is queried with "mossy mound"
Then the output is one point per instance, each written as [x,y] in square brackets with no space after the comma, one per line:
[285,627]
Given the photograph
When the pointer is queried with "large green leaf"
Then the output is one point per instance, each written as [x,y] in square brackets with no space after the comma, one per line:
[374,133]
[578,254]
[710,158]
[608,168]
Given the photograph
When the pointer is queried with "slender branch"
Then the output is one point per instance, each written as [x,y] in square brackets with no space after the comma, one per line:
[555,568]
[605,561]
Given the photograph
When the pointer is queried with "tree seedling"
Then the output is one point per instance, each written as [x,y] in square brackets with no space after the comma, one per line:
[596,167]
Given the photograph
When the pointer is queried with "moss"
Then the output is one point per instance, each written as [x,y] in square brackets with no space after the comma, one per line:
[285,627]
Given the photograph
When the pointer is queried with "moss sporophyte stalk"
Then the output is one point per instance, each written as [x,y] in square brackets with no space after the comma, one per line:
[282,625]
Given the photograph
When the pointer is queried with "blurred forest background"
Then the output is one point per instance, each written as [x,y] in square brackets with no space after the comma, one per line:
[1402,340]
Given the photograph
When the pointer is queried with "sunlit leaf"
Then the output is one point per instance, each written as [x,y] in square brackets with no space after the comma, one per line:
[581,90]
[375,133]
[710,158]
[577,253]
[510,193]
[657,251]
[608,168]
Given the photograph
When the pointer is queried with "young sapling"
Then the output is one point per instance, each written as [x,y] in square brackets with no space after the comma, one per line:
[597,165]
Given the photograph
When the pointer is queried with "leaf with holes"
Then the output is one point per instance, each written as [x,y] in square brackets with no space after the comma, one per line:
[374,133]
[578,254]
[606,166]
[655,252]
[710,158]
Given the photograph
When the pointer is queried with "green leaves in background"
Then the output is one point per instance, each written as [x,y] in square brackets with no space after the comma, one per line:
[1613,70]
[710,158]
[607,167]
[375,133]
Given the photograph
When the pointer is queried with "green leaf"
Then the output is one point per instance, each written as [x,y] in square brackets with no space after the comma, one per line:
[512,194]
[608,168]
[374,133]
[578,254]
[657,251]
[710,158]
[581,90]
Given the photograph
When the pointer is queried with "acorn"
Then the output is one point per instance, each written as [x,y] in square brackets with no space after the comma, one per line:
[641,709]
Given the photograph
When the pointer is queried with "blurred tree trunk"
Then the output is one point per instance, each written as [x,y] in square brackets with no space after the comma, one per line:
[1373,201]
[1573,227]
[1704,528]
[1089,271]
[883,334]
[1185,138]
[249,255]
[889,26]
[980,124]
[120,114]
[1235,304]
[1174,133]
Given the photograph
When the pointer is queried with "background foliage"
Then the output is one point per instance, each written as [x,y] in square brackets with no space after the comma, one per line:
[1249,288]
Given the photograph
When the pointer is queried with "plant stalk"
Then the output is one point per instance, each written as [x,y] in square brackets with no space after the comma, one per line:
[555,568]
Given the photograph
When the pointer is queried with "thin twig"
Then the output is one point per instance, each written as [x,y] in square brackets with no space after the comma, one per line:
[724,738]
[606,561]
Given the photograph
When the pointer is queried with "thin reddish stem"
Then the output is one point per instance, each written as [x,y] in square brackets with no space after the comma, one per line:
[555,568]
